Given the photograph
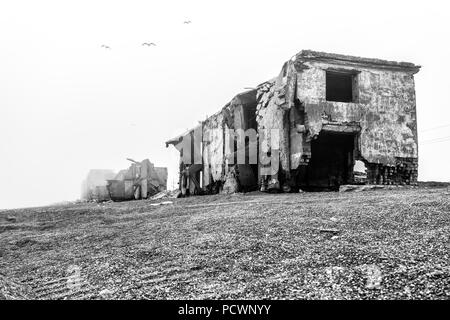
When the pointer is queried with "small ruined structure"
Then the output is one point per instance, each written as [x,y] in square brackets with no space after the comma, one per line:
[306,129]
[140,181]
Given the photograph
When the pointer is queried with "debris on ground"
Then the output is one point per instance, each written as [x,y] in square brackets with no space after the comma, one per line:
[347,187]
[13,290]
[166,194]
[369,187]
[11,219]
[105,294]
[333,231]
[231,184]
[161,203]
[140,181]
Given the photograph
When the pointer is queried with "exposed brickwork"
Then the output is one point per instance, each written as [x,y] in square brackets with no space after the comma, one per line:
[403,172]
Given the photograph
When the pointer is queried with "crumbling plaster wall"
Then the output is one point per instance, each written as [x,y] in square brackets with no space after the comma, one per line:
[385,109]
[213,148]
[219,154]
[276,101]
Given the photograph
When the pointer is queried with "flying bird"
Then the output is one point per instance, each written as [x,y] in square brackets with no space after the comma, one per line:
[105,46]
[187,22]
[149,44]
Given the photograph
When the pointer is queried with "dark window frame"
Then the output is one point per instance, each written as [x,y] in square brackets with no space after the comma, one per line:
[341,86]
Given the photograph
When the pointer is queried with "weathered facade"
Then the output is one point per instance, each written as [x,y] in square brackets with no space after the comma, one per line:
[140,181]
[324,112]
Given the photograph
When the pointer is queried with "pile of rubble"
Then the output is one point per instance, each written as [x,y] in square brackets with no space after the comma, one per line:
[13,290]
[166,194]
[140,181]
[405,171]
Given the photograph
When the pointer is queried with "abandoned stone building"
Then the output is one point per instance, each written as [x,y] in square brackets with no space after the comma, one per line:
[140,180]
[322,114]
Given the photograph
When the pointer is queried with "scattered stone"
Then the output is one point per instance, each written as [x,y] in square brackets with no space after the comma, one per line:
[359,188]
[172,194]
[346,188]
[11,219]
[105,293]
[231,184]
[333,231]
[14,290]
[375,187]
[161,203]
[159,195]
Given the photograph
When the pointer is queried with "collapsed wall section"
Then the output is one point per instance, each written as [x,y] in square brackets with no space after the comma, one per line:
[227,135]
[280,129]
[213,152]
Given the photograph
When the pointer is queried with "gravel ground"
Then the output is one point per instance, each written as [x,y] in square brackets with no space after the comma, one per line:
[384,244]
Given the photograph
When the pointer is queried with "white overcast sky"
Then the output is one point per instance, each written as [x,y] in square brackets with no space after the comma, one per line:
[67,105]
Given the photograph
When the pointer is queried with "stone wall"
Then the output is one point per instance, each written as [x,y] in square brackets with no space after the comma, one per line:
[385,110]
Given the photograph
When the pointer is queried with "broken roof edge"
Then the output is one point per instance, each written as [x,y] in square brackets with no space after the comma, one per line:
[305,55]
[244,97]
[341,58]
[177,139]
[270,81]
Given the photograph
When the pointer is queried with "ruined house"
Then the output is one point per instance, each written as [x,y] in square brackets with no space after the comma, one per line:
[306,129]
[139,181]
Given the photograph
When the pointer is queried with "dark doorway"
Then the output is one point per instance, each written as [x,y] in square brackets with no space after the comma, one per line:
[332,160]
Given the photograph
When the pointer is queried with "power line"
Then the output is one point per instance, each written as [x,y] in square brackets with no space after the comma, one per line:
[427,144]
[438,138]
[434,128]
[431,141]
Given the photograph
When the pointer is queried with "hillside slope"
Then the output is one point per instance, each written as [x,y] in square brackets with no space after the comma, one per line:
[371,245]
